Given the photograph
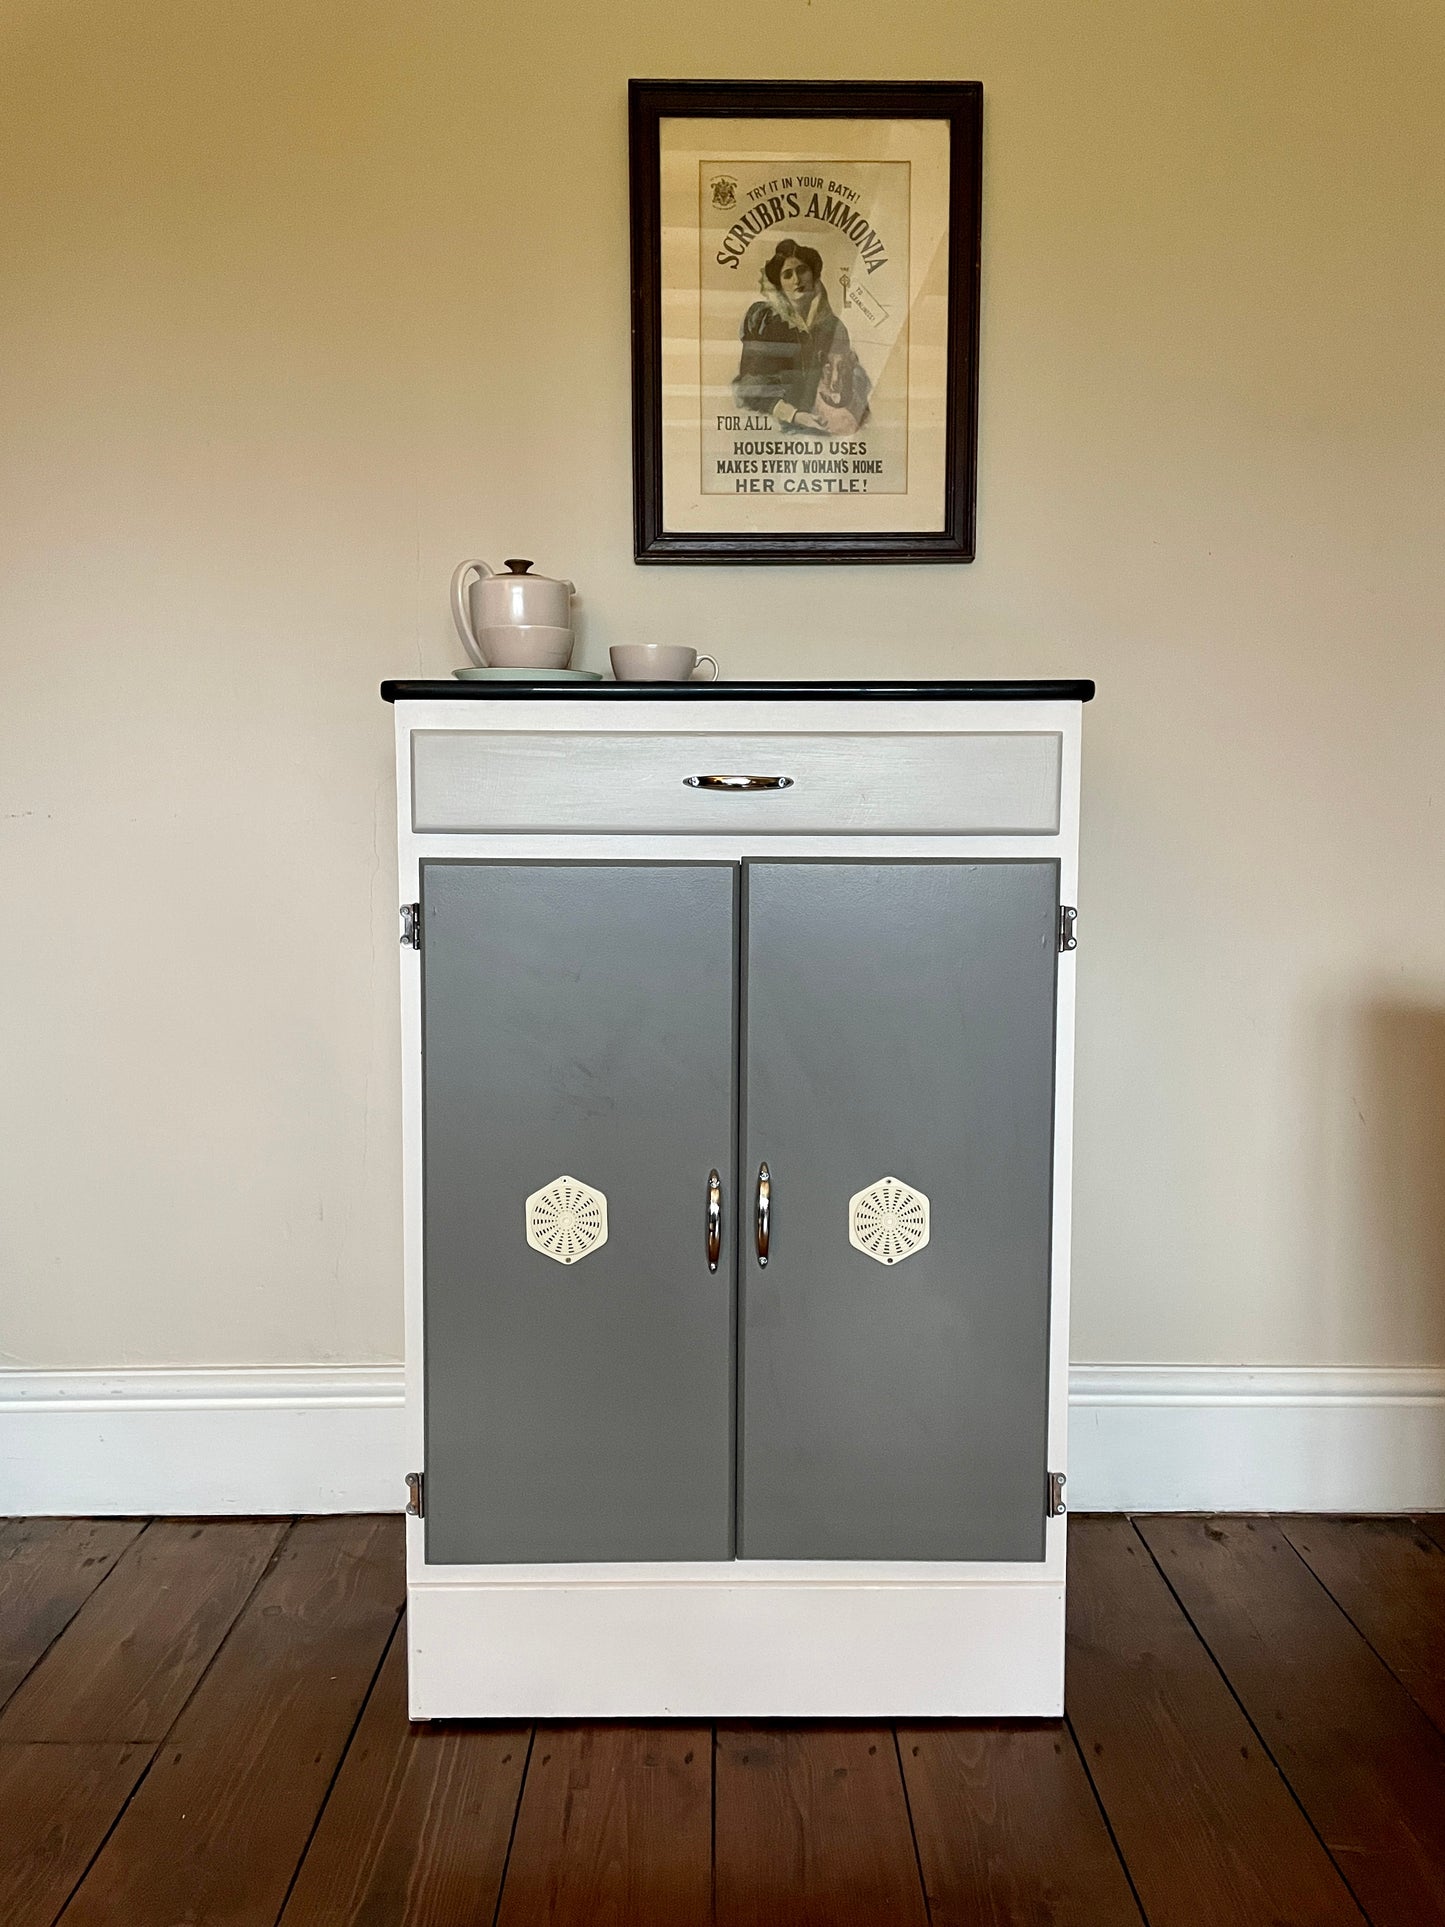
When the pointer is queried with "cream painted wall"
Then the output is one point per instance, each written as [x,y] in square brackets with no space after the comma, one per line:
[303,301]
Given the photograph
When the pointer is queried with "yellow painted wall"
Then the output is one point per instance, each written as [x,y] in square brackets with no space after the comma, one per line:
[300,301]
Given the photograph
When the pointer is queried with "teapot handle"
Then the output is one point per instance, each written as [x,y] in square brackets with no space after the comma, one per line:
[459,608]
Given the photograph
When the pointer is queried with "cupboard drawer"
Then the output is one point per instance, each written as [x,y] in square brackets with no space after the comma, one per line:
[985,782]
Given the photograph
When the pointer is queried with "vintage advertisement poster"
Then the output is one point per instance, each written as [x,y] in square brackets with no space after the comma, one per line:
[804,317]
[804,342]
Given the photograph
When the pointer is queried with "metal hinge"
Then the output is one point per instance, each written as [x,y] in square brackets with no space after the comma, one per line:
[1056,1506]
[1068,916]
[416,1489]
[411,925]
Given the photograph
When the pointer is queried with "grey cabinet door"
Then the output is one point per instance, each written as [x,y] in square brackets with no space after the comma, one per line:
[578,1022]
[899,1023]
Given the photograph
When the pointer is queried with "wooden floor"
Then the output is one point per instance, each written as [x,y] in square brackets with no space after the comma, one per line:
[204,1723]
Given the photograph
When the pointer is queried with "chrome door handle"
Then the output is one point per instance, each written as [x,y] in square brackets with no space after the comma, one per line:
[738,782]
[714,1219]
[765,1211]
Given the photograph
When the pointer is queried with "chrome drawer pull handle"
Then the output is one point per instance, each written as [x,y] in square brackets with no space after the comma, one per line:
[765,1203]
[738,782]
[714,1219]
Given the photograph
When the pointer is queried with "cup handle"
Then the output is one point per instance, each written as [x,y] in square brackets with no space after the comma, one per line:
[716,672]
[459,609]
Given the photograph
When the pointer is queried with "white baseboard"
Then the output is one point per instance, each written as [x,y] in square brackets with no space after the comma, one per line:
[185,1441]
[279,1439]
[1189,1438]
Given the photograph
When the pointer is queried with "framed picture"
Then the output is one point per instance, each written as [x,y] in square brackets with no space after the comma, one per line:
[805,271]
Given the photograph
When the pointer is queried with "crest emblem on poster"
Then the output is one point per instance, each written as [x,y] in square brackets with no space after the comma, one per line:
[724,191]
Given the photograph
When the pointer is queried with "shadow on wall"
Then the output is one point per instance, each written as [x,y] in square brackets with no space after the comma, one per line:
[1377,1183]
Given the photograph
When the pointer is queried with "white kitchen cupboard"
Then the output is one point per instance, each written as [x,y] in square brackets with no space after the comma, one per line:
[737,1065]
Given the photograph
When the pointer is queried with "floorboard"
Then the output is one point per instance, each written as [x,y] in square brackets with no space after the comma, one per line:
[1008,1829]
[1433,1523]
[1208,1829]
[1389,1577]
[1363,1760]
[417,1827]
[218,1826]
[129,1659]
[207,1727]
[48,1569]
[57,1803]
[614,1826]
[812,1828]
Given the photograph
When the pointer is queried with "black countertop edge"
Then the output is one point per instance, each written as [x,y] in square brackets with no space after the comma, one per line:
[872,692]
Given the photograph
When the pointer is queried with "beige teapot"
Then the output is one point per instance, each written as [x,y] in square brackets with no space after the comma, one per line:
[513,619]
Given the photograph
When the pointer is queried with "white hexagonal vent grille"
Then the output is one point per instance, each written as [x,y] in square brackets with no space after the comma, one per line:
[566,1220]
[888,1221]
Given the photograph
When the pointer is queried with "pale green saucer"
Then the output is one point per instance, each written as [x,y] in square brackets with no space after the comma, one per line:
[528,675]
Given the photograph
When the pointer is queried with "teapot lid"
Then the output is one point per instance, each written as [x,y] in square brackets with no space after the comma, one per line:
[517,567]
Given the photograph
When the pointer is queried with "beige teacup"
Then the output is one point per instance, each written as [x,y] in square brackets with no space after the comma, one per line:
[657,662]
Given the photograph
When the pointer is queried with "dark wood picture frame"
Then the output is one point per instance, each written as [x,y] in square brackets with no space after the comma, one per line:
[960,103]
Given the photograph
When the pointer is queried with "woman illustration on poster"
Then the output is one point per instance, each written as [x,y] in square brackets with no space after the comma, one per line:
[792,341]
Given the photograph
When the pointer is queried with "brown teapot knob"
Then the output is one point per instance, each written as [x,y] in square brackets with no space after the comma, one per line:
[515,567]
